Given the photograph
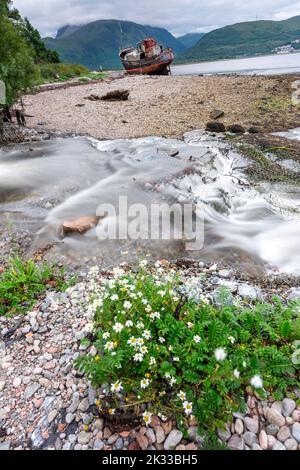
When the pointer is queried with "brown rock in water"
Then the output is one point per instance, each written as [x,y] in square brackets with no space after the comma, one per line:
[116,95]
[215,127]
[236,129]
[216,113]
[80,225]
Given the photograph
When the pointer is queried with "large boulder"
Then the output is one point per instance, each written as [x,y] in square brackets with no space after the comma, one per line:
[80,225]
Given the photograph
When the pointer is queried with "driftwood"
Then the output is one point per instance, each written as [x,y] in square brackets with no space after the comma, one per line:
[116,95]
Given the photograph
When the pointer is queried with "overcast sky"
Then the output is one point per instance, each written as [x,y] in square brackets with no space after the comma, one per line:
[178,16]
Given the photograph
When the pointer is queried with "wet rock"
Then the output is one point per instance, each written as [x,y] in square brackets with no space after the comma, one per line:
[217,127]
[80,225]
[173,439]
[236,129]
[216,113]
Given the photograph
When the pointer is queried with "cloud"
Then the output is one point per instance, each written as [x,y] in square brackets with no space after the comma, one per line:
[179,16]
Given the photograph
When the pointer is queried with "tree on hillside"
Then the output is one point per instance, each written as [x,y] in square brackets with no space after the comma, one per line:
[33,38]
[17,69]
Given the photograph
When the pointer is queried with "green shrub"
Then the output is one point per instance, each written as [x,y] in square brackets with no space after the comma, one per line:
[178,357]
[64,71]
[23,281]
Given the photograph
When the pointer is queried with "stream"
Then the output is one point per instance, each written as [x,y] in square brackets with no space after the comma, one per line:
[249,226]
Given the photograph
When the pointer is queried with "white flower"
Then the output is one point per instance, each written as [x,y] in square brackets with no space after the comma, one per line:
[162,340]
[109,346]
[197,339]
[168,375]
[127,305]
[152,361]
[256,382]
[220,354]
[162,293]
[244,364]
[145,383]
[140,341]
[170,348]
[172,381]
[231,339]
[106,335]
[176,299]
[132,341]
[182,396]
[116,387]
[155,315]
[143,350]
[176,359]
[129,323]
[112,411]
[147,334]
[236,373]
[143,263]
[190,325]
[118,327]
[140,325]
[145,301]
[148,308]
[114,297]
[138,357]
[188,407]
[157,264]
[162,417]
[147,418]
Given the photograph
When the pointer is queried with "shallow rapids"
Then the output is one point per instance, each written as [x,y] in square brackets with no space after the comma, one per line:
[44,184]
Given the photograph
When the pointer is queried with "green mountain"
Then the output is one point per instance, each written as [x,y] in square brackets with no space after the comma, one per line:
[245,39]
[98,43]
[190,39]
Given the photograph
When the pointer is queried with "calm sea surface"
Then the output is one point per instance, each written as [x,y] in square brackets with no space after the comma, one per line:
[266,65]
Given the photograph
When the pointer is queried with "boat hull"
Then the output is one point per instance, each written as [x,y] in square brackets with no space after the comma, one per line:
[150,66]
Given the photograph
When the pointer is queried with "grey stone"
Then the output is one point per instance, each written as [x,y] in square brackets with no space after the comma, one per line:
[256,447]
[112,439]
[272,429]
[84,405]
[99,424]
[294,294]
[296,431]
[247,291]
[4,445]
[66,446]
[278,446]
[31,390]
[75,403]
[224,435]
[288,406]
[250,438]
[239,427]
[160,435]
[274,417]
[70,418]
[283,434]
[236,443]
[151,435]
[173,439]
[291,444]
[251,424]
[119,444]
[98,444]
[52,415]
[84,437]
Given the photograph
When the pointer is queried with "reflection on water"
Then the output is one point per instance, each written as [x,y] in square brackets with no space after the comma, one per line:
[266,65]
[64,179]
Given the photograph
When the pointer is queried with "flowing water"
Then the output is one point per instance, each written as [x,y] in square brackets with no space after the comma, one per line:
[44,184]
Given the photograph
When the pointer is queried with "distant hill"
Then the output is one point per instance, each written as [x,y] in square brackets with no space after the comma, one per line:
[98,43]
[190,39]
[245,39]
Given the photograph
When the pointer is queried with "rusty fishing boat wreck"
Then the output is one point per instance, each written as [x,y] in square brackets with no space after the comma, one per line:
[148,57]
